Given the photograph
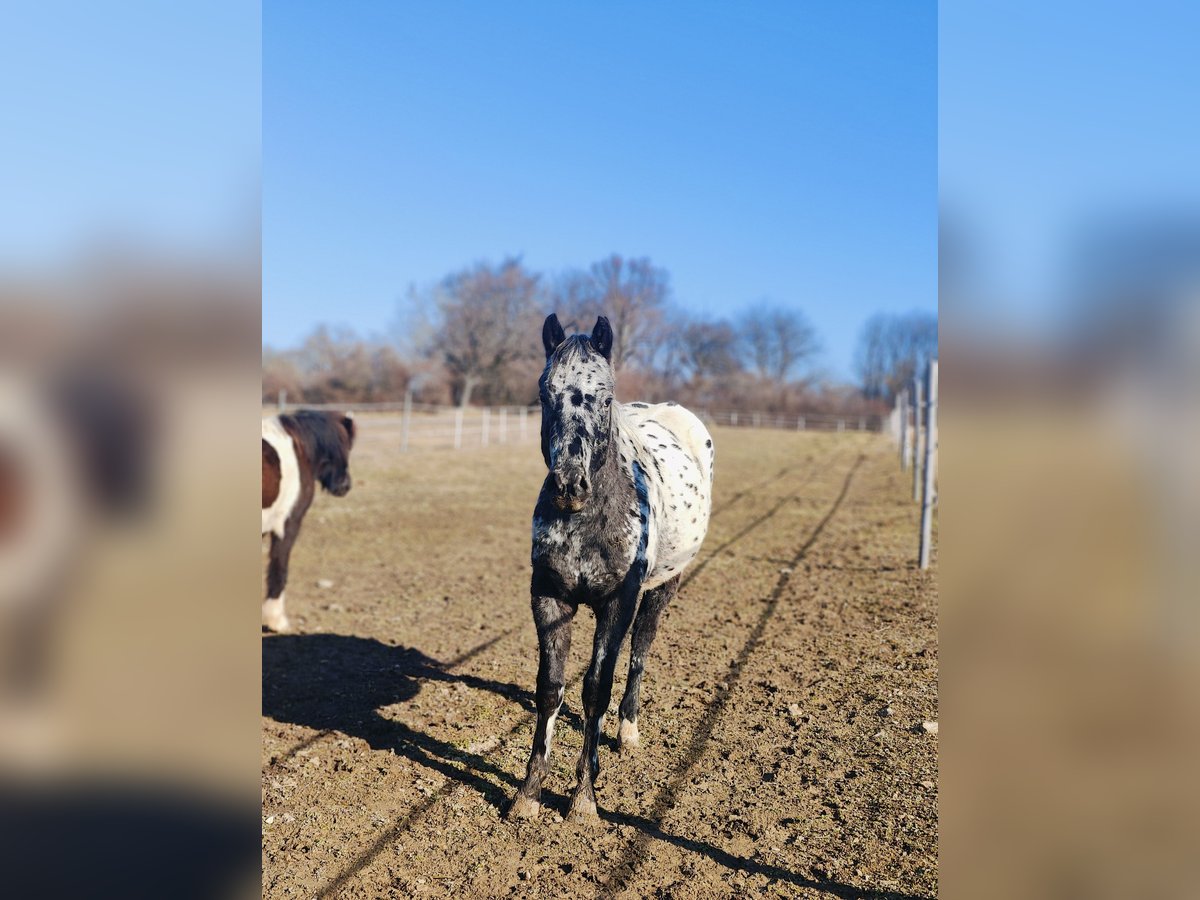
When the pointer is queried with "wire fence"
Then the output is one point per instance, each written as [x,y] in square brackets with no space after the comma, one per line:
[423,426]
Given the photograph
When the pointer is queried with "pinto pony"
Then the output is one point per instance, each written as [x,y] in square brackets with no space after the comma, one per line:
[623,510]
[298,452]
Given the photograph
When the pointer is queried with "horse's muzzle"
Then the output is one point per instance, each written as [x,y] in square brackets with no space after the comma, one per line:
[571,491]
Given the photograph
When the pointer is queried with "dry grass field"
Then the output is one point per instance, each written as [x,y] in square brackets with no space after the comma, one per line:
[783,749]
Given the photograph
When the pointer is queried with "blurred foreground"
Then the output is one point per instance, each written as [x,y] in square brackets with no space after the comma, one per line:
[1070,288]
[129,308]
[124,622]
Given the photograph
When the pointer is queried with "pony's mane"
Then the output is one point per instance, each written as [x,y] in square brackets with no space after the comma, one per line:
[320,436]
[576,345]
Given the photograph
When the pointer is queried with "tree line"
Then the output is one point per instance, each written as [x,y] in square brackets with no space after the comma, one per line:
[473,338]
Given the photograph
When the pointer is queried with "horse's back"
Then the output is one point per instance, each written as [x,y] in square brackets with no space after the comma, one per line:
[681,424]
[677,455]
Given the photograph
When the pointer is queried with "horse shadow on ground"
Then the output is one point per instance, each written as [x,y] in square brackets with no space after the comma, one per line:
[342,683]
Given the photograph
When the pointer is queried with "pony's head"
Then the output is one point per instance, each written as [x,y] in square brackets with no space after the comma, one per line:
[326,439]
[576,391]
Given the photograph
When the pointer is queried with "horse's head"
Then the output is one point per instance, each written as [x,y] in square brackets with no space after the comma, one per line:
[326,438]
[333,469]
[576,391]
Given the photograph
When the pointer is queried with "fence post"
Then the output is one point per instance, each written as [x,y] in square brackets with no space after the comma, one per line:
[458,422]
[524,412]
[862,423]
[800,423]
[931,448]
[405,420]
[504,424]
[487,422]
[757,419]
[841,425]
[916,438]
[905,435]
[282,399]
[733,418]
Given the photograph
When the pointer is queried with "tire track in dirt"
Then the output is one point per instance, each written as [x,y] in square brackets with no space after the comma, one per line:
[627,866]
[433,754]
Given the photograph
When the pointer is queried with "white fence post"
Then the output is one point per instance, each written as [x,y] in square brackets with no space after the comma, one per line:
[733,418]
[504,424]
[282,399]
[862,423]
[841,425]
[905,432]
[487,421]
[524,412]
[931,448]
[800,424]
[405,420]
[458,423]
[916,438]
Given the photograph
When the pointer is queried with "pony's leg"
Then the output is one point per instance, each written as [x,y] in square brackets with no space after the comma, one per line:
[273,615]
[612,623]
[553,619]
[645,626]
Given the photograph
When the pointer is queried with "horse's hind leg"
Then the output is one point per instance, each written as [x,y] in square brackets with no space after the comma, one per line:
[645,626]
[553,620]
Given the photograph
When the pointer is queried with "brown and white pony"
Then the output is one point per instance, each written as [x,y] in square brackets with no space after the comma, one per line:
[299,450]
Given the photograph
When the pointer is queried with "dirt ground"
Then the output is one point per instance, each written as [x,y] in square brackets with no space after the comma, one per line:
[783,749]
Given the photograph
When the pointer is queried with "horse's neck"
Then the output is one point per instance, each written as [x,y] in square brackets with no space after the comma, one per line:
[615,478]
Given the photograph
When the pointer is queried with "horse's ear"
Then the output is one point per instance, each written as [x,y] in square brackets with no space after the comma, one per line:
[552,334]
[348,424]
[602,337]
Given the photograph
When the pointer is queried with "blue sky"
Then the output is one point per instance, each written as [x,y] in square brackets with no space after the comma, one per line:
[782,152]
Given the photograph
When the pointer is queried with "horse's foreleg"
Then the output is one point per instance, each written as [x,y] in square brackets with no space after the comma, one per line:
[612,623]
[273,615]
[553,620]
[645,626]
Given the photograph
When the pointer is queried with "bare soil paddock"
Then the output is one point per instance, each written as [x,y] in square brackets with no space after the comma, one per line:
[783,752]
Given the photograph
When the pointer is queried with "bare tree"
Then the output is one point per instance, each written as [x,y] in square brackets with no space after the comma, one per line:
[632,293]
[708,350]
[776,340]
[891,349]
[484,318]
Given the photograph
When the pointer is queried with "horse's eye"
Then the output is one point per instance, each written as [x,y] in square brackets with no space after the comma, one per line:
[608,401]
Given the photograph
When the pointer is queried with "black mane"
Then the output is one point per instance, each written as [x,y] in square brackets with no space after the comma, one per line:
[322,438]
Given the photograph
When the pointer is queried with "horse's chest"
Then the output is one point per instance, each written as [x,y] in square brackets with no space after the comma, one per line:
[588,557]
[286,480]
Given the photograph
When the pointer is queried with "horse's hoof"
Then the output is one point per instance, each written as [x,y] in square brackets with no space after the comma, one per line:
[278,626]
[583,809]
[273,616]
[523,808]
[627,738]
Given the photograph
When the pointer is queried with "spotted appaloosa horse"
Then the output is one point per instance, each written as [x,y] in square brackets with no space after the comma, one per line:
[621,513]
[298,452]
